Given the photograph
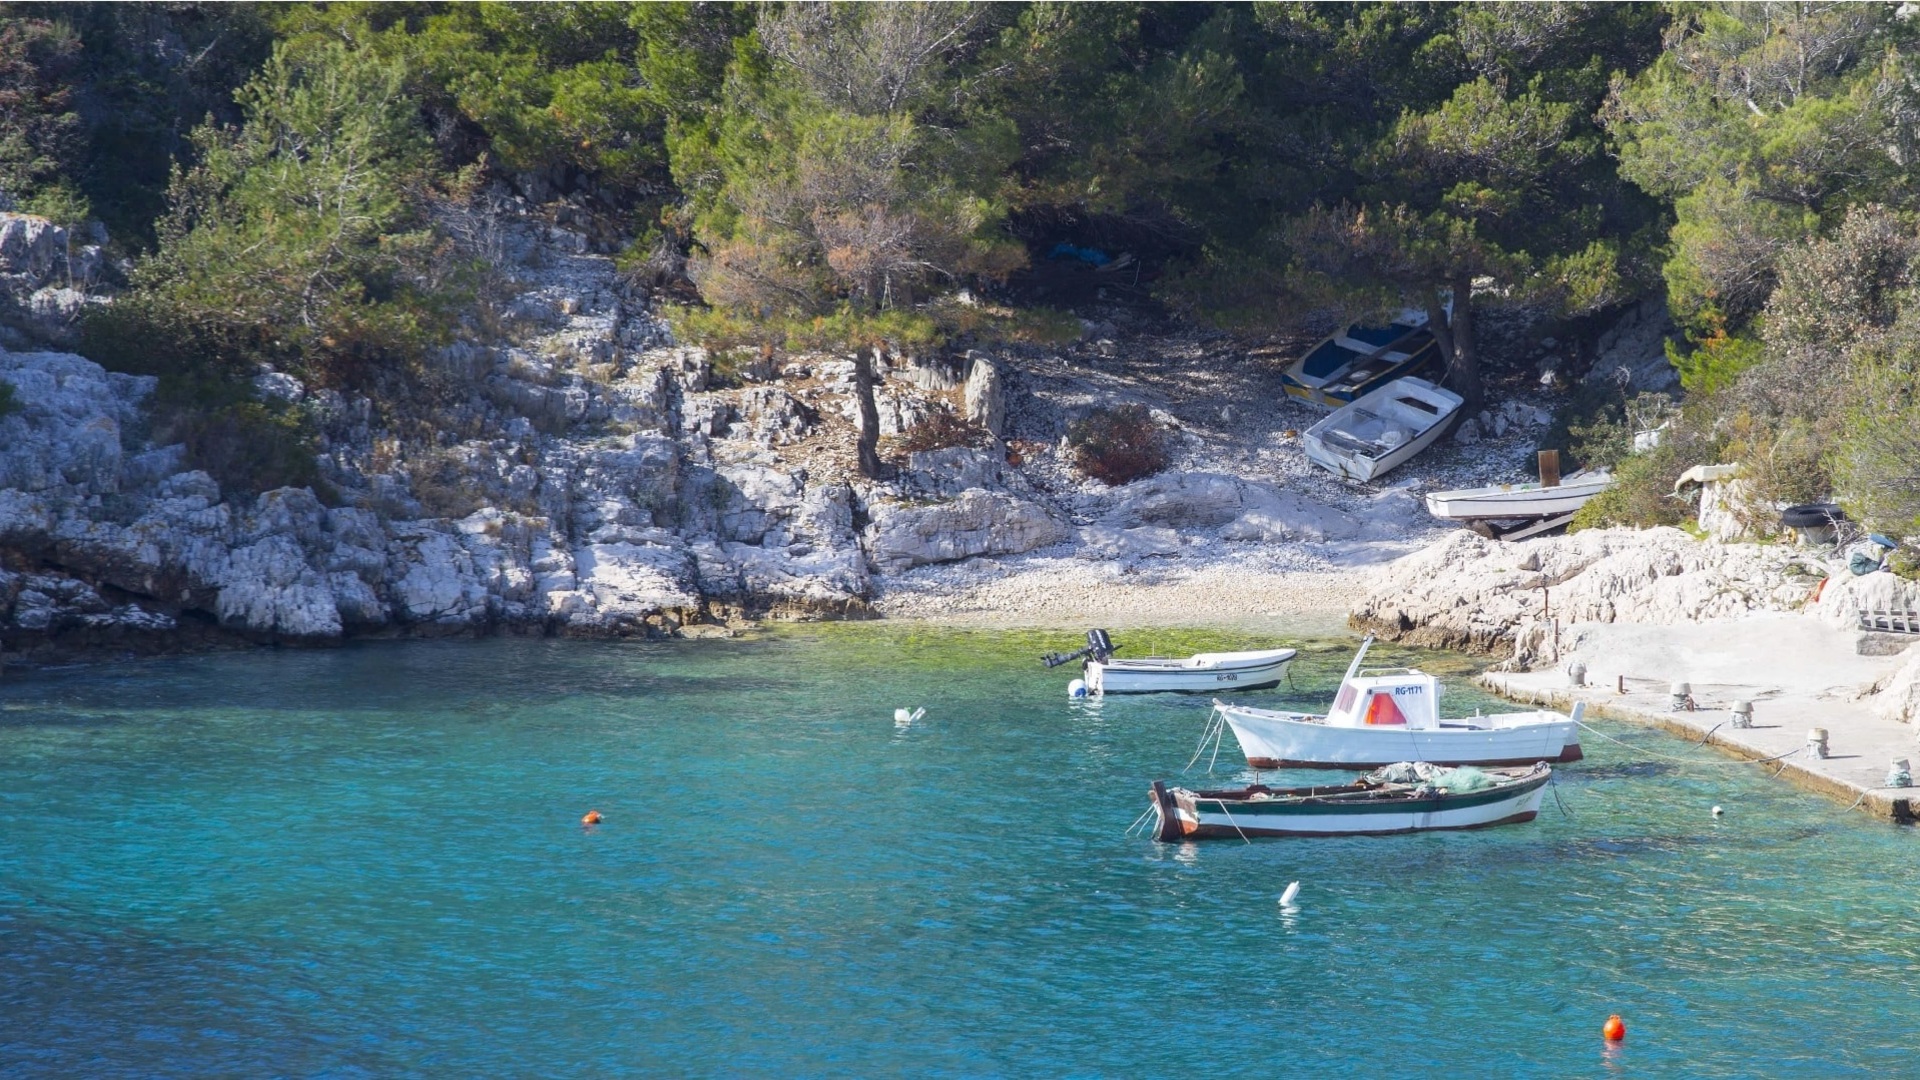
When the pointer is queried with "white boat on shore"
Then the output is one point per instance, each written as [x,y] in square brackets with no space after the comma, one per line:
[1382,429]
[1401,798]
[1512,501]
[1379,717]
[1257,669]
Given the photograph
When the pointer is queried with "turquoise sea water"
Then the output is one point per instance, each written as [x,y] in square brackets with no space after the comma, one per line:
[370,862]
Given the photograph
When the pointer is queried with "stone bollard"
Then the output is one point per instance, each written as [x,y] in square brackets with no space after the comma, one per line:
[1682,697]
[1900,774]
[1743,714]
[1817,743]
[1576,674]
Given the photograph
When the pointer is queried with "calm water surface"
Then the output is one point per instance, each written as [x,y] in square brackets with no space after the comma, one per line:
[369,862]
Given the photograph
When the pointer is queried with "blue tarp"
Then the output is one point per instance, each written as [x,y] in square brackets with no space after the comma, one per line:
[1094,256]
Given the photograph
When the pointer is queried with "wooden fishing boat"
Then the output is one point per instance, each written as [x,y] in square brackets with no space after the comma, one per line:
[1257,669]
[1381,429]
[1387,715]
[1408,797]
[1512,501]
[1360,359]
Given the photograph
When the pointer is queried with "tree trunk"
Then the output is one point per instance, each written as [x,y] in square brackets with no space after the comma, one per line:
[868,443]
[1455,336]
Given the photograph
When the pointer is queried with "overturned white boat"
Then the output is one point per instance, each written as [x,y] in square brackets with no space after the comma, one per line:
[1384,716]
[1511,501]
[1387,426]
[1257,669]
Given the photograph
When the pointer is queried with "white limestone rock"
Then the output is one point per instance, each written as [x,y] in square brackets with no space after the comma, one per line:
[1632,352]
[1898,696]
[1467,592]
[977,522]
[1241,509]
[1846,595]
[986,397]
[1106,543]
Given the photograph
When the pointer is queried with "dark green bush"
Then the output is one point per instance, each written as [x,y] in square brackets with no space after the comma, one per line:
[1119,444]
[7,402]
[247,446]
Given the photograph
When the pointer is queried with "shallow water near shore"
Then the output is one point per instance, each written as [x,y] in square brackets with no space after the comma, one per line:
[369,862]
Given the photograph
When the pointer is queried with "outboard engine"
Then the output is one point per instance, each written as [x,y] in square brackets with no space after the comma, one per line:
[1099,645]
[1099,648]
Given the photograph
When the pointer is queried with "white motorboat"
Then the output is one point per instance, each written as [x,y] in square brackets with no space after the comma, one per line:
[1257,669]
[1200,673]
[1380,717]
[1382,429]
[1518,500]
[1400,798]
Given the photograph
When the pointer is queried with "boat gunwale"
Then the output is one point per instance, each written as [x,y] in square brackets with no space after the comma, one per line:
[1389,798]
[1162,665]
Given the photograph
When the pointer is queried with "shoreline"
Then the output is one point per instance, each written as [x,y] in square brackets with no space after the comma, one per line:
[1071,593]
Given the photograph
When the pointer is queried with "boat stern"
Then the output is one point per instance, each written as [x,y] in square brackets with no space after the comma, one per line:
[1172,826]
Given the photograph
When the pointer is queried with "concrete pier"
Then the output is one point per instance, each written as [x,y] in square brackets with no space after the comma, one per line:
[1861,745]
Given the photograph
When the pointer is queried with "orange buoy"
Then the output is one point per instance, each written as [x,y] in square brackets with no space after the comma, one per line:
[593,818]
[1614,1029]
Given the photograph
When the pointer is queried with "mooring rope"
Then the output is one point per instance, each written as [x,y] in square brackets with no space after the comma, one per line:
[1710,731]
[1553,785]
[1144,814]
[1224,813]
[1214,719]
[1689,761]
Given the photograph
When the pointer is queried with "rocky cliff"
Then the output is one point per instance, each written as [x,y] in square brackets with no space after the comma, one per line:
[1467,592]
[586,476]
[575,471]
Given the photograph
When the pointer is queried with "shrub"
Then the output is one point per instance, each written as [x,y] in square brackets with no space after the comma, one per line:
[941,429]
[248,446]
[1119,444]
[1642,491]
[7,401]
[1876,455]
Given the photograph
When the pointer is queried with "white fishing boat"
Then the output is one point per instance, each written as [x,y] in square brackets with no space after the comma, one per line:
[1257,669]
[1401,798]
[1513,501]
[1383,716]
[1380,430]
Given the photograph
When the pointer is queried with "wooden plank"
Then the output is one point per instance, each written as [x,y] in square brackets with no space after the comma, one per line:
[1549,468]
[1537,527]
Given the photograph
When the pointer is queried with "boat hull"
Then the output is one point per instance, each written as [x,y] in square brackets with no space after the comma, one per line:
[1519,501]
[1365,469]
[1360,467]
[1275,740]
[1185,815]
[1420,364]
[1144,677]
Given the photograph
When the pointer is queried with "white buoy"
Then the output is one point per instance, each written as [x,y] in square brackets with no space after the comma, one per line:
[1077,688]
[903,718]
[1717,811]
[1286,898]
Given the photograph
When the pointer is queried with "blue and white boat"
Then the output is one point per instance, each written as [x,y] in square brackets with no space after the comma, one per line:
[1361,359]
